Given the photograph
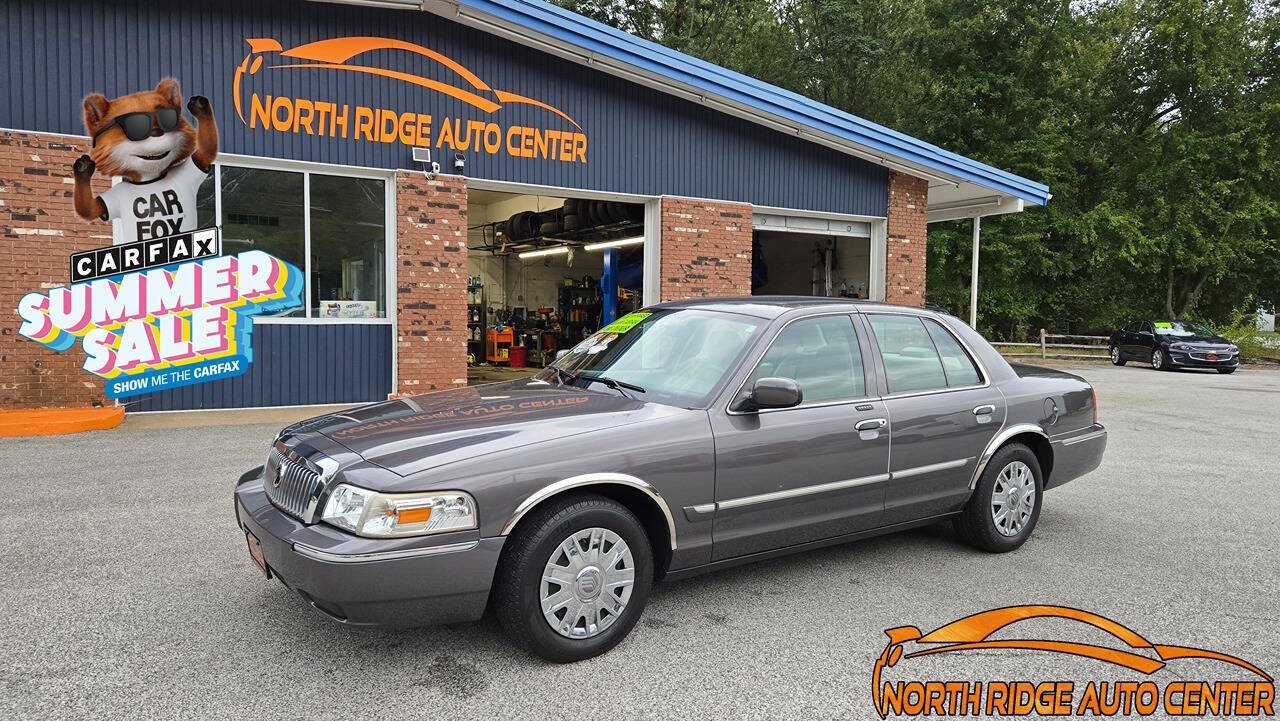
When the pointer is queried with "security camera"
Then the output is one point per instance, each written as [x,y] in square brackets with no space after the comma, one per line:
[459,162]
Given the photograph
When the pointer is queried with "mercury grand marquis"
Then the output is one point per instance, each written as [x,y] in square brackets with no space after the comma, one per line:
[682,438]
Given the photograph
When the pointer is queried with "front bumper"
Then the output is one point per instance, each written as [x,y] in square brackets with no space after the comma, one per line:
[364,581]
[1076,453]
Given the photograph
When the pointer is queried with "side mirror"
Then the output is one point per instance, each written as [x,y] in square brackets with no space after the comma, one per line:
[562,353]
[771,393]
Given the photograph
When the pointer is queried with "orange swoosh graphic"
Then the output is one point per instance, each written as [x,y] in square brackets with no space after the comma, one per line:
[1100,653]
[506,97]
[465,96]
[981,625]
[340,50]
[1171,652]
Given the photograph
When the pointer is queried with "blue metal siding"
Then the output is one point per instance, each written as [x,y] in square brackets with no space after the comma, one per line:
[293,365]
[639,140]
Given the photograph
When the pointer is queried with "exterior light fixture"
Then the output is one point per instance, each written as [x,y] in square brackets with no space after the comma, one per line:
[615,243]
[544,251]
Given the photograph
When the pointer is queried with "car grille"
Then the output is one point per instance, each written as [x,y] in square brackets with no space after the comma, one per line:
[292,485]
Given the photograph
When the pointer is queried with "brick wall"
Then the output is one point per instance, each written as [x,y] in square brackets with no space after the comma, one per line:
[431,282]
[40,230]
[908,224]
[706,249]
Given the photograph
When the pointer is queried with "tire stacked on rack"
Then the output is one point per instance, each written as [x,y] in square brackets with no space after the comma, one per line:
[575,215]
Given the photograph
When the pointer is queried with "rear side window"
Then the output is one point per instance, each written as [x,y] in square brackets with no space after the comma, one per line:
[821,355]
[911,361]
[956,362]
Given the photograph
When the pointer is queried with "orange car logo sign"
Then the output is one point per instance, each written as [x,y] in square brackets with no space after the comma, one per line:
[1252,694]
[334,119]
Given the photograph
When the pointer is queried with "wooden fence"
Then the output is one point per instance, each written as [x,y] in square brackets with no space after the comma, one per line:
[1046,349]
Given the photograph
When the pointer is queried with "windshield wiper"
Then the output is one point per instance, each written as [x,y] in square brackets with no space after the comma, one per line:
[617,385]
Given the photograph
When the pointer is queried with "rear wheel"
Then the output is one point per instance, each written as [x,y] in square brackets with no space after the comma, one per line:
[1115,356]
[1005,506]
[574,578]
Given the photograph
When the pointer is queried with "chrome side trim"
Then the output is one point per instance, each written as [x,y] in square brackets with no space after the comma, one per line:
[1086,437]
[318,555]
[698,512]
[589,479]
[999,440]
[931,468]
[802,491]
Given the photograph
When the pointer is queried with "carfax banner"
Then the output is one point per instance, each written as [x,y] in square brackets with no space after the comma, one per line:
[163,307]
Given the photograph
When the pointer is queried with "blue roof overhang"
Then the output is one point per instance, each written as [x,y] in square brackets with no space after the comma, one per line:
[959,186]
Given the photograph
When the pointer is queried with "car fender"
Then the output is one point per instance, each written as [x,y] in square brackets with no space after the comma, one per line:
[592,479]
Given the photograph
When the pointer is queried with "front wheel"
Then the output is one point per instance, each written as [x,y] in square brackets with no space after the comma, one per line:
[1005,506]
[574,578]
[1158,361]
[1115,357]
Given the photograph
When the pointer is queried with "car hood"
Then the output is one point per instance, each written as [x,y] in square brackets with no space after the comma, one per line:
[1199,339]
[415,434]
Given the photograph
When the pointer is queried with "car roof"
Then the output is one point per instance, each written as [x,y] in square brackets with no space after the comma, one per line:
[772,306]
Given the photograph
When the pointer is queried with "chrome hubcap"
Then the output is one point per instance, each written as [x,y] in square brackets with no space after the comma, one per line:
[1157,359]
[1115,355]
[1013,498]
[587,583]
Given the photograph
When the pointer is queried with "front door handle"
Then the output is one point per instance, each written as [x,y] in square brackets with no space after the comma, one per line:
[870,424]
[984,410]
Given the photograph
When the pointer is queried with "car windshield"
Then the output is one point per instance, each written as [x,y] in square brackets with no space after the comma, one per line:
[1180,328]
[678,356]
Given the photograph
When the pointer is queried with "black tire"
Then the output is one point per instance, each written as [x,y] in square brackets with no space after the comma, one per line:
[518,580]
[571,222]
[1116,358]
[1226,371]
[551,228]
[975,524]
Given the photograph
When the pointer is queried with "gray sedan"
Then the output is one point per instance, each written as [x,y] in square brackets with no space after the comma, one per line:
[683,438]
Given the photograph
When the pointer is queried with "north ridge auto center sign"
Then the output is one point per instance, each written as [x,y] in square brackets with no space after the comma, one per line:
[161,313]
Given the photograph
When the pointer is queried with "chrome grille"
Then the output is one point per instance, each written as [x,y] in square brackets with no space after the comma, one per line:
[292,485]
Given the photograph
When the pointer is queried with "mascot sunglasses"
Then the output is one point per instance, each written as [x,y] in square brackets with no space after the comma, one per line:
[137,126]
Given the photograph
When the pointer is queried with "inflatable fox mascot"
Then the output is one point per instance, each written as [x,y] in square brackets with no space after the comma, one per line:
[160,158]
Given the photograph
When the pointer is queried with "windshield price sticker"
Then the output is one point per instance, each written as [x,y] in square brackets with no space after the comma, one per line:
[626,322]
[1164,325]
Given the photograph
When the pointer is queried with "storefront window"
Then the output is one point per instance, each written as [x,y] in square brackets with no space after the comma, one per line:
[348,247]
[264,210]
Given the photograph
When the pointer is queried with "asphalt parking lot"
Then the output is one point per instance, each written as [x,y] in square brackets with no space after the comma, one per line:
[128,591]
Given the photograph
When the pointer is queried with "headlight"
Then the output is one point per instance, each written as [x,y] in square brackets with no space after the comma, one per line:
[1180,346]
[392,515]
[1233,349]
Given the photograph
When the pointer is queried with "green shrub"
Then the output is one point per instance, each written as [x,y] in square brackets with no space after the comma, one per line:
[1243,331]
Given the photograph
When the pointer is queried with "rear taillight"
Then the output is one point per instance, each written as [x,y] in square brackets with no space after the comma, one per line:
[1093,392]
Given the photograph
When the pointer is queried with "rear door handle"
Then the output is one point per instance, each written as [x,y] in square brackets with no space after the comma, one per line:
[984,410]
[870,424]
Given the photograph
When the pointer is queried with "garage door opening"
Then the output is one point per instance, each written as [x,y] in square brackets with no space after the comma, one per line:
[544,273]
[788,263]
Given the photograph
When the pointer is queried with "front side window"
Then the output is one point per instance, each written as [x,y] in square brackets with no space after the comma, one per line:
[911,361]
[956,363]
[821,355]
[678,356]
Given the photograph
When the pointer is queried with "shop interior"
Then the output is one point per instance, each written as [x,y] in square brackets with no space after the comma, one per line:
[789,263]
[546,272]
